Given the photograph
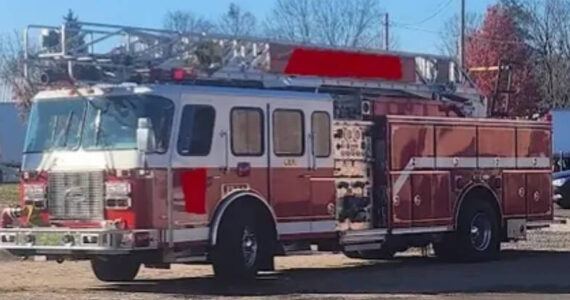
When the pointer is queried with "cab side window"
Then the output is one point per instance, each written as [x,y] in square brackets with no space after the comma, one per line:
[196,130]
[288,132]
[247,131]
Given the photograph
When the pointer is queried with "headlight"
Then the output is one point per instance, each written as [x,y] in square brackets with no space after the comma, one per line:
[117,195]
[117,189]
[559,181]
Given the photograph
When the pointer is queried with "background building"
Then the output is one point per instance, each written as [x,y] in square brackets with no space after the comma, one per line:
[12,134]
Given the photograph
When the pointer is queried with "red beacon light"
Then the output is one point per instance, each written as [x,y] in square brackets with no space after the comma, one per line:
[178,74]
[175,74]
[181,74]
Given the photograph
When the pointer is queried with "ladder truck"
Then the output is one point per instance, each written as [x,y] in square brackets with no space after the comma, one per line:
[149,147]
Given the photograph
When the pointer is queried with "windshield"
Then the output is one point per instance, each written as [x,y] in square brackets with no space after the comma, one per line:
[54,125]
[110,123]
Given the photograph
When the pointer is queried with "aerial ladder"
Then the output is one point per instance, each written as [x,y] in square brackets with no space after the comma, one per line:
[92,53]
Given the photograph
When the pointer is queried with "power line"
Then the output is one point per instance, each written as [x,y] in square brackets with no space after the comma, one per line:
[441,7]
[471,37]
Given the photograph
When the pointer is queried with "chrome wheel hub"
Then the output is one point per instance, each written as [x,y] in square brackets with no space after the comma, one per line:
[480,232]
[249,247]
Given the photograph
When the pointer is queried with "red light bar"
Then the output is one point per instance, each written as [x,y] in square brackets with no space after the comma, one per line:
[343,64]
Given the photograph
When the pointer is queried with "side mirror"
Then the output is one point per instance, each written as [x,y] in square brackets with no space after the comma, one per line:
[145,136]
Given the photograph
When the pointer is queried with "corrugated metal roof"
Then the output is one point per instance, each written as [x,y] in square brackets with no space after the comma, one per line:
[5,93]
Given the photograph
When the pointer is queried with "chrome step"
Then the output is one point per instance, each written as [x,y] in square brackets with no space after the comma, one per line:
[363,236]
[363,247]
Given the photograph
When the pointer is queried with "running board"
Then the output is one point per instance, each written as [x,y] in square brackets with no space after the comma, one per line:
[191,259]
[363,236]
[363,247]
[185,256]
[378,235]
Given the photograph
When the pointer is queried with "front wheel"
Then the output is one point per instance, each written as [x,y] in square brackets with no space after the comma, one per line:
[115,268]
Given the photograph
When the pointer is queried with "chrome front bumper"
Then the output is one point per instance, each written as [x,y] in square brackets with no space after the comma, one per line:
[69,241]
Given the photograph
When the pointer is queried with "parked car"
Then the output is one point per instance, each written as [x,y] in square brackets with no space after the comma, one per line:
[561,185]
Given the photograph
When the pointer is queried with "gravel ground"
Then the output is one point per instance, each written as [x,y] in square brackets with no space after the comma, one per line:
[534,269]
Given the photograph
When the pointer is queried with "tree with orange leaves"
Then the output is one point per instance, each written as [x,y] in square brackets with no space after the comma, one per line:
[498,41]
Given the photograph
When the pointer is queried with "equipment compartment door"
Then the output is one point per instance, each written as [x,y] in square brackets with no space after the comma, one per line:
[431,204]
[441,198]
[514,194]
[421,199]
[401,204]
[539,194]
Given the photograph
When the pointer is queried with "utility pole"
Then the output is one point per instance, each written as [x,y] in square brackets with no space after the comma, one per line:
[386,31]
[462,41]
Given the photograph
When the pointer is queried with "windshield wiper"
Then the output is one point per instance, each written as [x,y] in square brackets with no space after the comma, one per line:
[97,127]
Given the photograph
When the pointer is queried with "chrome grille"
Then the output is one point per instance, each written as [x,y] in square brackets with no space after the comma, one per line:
[76,196]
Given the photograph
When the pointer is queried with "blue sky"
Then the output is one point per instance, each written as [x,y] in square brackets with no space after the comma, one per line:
[16,14]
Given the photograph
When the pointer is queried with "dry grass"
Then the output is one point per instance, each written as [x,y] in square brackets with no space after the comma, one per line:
[9,194]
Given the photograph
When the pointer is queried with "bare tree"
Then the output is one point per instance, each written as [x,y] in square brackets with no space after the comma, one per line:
[291,20]
[186,21]
[12,60]
[12,71]
[356,23]
[237,22]
[450,32]
[546,26]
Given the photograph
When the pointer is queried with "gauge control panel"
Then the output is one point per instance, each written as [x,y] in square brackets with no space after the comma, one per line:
[352,143]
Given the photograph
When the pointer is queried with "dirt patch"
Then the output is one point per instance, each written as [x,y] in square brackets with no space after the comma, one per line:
[532,269]
[5,256]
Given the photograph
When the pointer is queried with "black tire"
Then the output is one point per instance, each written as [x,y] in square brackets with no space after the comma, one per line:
[115,268]
[245,244]
[478,233]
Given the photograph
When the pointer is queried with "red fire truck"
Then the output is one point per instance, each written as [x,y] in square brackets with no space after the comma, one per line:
[233,151]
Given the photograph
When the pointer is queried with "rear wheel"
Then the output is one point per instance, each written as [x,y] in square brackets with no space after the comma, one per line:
[477,233]
[115,268]
[244,245]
